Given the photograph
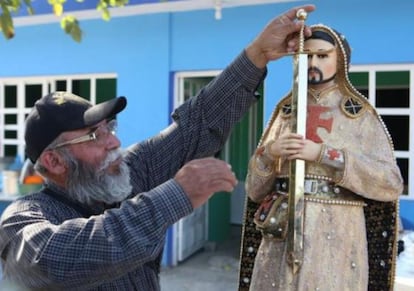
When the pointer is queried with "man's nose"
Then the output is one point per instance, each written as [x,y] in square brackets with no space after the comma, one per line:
[112,142]
[311,61]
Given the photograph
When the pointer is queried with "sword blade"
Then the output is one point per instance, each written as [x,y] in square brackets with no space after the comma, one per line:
[297,167]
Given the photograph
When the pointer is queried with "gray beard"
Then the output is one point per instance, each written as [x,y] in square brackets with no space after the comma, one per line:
[90,184]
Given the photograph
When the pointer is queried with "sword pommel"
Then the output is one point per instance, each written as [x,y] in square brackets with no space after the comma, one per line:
[301,14]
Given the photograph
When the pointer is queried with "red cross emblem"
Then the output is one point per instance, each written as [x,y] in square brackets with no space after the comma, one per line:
[314,122]
[333,154]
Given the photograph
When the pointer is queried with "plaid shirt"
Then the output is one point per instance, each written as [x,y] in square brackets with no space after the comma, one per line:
[47,243]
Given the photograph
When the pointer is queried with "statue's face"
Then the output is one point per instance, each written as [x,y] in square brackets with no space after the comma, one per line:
[321,67]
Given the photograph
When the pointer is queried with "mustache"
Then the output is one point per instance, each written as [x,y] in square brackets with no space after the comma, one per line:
[316,70]
[111,157]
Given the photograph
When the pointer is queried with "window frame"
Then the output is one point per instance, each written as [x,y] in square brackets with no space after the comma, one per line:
[396,111]
[48,84]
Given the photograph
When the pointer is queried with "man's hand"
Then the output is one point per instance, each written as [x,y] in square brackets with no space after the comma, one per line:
[277,38]
[201,178]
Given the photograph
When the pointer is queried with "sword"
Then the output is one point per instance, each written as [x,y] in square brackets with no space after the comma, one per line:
[297,167]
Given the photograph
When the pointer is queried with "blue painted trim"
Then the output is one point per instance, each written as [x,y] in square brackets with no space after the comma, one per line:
[406,214]
[168,248]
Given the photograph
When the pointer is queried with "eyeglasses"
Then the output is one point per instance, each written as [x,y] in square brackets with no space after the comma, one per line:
[98,135]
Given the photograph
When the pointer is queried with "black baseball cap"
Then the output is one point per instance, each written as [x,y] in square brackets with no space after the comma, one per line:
[58,112]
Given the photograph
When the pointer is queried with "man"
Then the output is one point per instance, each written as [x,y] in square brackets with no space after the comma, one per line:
[101,220]
[352,186]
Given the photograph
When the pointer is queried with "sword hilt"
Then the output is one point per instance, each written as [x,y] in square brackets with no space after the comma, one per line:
[301,15]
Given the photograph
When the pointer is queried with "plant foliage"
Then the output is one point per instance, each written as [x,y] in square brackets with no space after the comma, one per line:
[69,23]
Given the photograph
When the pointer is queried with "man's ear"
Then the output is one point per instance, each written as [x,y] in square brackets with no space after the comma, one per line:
[53,162]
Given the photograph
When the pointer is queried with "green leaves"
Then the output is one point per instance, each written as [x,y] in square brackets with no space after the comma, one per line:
[6,24]
[103,6]
[29,7]
[6,21]
[71,26]
[57,6]
[68,23]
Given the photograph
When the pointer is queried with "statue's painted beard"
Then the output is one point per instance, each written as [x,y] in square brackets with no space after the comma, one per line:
[315,76]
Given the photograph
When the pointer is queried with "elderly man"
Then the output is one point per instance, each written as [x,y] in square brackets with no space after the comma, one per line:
[101,220]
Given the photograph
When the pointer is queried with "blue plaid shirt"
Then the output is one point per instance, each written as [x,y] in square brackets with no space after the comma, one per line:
[47,243]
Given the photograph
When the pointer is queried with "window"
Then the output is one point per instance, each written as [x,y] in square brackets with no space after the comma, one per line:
[18,96]
[388,89]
